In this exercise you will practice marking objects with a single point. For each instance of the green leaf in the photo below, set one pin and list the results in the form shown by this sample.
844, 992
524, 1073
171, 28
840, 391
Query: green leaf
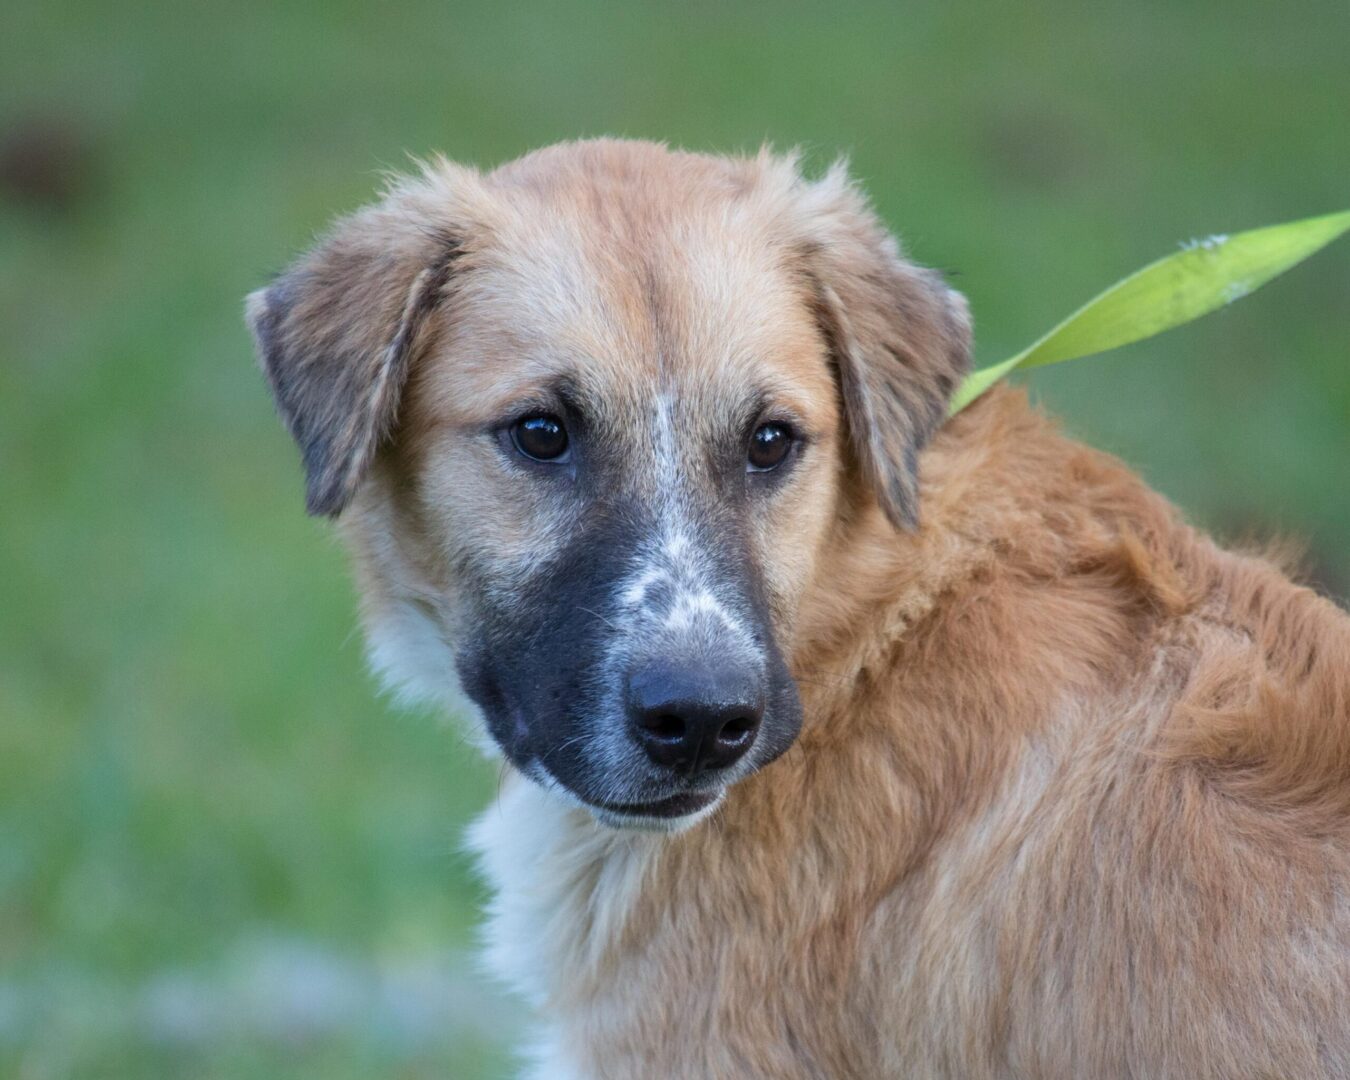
1203, 276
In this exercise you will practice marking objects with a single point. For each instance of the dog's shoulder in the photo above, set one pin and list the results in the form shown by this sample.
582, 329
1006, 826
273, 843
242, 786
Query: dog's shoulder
1267, 707
1265, 699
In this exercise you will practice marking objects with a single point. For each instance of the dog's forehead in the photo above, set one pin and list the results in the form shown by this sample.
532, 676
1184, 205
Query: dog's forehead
627, 296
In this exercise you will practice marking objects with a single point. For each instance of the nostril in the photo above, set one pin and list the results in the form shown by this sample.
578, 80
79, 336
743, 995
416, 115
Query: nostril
736, 730
665, 726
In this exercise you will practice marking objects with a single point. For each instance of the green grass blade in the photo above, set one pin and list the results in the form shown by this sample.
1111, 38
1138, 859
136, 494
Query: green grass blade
1203, 276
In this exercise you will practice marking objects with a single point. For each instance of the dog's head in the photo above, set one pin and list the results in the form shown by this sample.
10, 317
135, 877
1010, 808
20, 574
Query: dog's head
587, 420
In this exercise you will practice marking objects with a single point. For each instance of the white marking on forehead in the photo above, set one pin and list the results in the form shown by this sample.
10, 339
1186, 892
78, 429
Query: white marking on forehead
667, 451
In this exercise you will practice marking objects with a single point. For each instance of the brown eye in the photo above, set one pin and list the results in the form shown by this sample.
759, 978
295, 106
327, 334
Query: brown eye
769, 445
542, 438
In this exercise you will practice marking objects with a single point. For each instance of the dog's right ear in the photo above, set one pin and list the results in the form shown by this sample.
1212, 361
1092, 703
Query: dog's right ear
336, 332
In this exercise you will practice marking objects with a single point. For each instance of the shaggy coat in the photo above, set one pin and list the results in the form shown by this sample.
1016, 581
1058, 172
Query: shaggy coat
1071, 793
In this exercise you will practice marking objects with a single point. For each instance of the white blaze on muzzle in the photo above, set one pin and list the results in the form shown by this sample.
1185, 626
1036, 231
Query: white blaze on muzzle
673, 598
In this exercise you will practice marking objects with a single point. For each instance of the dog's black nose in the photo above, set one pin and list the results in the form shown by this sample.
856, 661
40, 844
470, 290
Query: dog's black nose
694, 718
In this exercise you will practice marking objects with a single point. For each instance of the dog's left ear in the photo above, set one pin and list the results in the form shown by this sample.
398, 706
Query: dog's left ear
901, 339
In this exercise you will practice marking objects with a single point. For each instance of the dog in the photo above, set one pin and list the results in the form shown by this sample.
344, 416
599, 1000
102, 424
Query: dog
842, 739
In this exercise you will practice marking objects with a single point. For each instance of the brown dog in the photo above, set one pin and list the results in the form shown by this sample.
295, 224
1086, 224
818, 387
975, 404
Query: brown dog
844, 743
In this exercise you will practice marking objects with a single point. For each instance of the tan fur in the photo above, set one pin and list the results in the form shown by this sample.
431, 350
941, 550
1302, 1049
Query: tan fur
1072, 795
1072, 803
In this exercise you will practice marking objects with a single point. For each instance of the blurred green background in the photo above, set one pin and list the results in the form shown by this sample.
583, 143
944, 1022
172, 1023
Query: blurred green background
221, 853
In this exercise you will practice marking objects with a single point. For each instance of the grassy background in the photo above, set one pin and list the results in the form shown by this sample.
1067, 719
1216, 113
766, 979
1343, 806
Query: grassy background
221, 855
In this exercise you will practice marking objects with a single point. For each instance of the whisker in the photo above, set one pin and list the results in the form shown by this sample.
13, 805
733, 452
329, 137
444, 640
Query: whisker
607, 621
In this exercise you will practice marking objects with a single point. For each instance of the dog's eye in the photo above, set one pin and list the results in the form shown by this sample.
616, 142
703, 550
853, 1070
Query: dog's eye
769, 445
542, 438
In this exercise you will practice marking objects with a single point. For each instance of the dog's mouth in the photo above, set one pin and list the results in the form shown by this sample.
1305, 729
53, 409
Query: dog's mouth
674, 806
672, 813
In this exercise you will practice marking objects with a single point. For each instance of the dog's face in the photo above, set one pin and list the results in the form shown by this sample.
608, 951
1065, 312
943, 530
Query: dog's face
590, 420
627, 451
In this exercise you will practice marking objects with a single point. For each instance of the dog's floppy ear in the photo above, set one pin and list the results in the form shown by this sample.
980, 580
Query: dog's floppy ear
335, 333
901, 339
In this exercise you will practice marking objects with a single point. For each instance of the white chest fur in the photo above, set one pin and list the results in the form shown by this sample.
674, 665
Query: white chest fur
563, 887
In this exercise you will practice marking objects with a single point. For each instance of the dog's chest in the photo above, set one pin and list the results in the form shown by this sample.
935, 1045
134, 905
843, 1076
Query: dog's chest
563, 888
591, 926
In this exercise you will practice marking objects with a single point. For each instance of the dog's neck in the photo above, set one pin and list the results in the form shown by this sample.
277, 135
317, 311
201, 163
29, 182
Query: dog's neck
892, 580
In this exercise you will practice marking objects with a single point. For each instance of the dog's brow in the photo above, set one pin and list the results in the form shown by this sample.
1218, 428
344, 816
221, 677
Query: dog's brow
766, 405
560, 393
750, 410
568, 393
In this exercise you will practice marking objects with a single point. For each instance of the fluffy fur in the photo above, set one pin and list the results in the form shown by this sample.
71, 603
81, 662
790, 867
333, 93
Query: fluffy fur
1071, 801
1072, 791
